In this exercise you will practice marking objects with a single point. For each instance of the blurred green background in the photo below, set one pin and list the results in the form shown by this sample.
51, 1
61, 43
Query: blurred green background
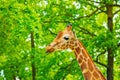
28, 26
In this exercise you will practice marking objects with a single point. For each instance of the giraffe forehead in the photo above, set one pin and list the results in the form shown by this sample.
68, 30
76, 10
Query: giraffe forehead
66, 34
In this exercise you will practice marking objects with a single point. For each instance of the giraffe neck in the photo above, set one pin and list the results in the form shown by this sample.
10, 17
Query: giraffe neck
89, 70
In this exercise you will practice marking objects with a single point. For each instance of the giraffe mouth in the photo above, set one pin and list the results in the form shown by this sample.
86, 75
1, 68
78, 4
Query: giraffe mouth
49, 50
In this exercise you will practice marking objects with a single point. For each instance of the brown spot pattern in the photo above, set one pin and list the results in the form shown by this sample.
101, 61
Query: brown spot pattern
84, 53
63, 47
72, 48
81, 57
83, 66
75, 54
71, 42
87, 75
75, 44
79, 60
78, 50
90, 65
93, 78
96, 75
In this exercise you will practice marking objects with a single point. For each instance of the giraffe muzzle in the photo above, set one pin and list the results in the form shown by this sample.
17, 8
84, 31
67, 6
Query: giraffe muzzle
49, 49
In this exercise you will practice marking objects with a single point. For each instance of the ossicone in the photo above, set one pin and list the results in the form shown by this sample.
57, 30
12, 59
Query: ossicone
70, 24
69, 27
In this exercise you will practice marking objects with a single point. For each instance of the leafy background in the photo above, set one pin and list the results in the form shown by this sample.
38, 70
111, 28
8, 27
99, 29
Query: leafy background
28, 26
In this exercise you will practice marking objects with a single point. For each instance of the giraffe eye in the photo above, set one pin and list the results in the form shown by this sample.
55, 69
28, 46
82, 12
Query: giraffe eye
66, 37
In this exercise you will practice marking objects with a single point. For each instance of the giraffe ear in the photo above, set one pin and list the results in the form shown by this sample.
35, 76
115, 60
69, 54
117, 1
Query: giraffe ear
59, 35
69, 27
74, 33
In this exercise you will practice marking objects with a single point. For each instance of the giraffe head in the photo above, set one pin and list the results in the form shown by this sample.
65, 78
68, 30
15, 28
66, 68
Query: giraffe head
64, 40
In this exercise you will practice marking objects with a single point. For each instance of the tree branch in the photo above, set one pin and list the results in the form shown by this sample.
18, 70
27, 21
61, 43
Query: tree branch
115, 5
116, 12
100, 63
66, 67
118, 45
58, 21
98, 2
52, 32
86, 31
90, 13
87, 15
97, 7
100, 54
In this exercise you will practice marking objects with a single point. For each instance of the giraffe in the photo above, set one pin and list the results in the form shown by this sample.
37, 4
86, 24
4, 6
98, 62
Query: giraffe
67, 39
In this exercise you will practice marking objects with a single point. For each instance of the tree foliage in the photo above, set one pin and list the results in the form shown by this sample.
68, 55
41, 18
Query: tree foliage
45, 18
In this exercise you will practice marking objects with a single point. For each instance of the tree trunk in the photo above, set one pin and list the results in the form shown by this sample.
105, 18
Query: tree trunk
32, 56
109, 49
14, 77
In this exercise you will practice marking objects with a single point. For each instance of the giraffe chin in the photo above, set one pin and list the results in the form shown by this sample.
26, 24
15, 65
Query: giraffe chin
49, 50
